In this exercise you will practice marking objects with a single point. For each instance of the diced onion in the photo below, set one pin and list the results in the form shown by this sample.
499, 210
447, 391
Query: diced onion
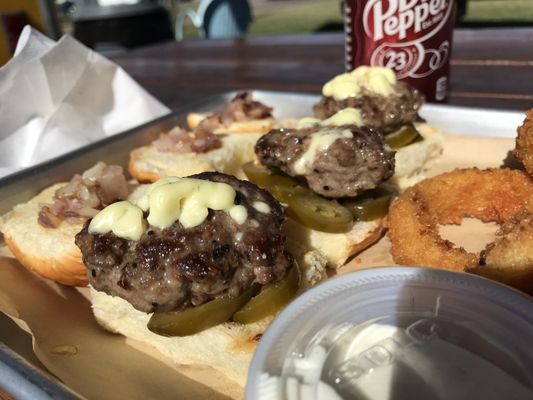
85, 195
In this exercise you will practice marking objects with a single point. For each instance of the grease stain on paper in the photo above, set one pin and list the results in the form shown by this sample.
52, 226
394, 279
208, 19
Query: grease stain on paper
64, 350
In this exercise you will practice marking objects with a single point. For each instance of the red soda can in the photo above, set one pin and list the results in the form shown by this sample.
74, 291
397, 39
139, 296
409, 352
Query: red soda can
413, 37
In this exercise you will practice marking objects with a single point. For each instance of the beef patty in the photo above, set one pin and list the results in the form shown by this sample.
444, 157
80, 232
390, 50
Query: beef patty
176, 268
383, 113
347, 167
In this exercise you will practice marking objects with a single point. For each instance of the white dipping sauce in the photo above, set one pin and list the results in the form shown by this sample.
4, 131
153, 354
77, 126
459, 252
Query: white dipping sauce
384, 362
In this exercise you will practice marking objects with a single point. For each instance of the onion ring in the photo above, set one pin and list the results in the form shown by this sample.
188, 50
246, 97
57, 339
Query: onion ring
524, 143
509, 259
491, 195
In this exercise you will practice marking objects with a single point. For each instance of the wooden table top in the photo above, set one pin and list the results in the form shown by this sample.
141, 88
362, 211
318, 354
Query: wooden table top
490, 68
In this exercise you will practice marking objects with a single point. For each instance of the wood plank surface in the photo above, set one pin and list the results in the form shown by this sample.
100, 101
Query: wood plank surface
489, 68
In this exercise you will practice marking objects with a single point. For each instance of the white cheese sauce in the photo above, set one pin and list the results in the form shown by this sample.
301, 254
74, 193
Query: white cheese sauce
379, 80
169, 200
320, 142
261, 206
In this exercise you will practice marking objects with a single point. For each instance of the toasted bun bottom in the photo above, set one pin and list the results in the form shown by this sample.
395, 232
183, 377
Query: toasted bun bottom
226, 347
335, 248
412, 161
147, 164
50, 252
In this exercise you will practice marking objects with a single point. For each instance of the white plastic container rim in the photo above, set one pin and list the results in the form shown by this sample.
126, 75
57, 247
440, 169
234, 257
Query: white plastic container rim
377, 292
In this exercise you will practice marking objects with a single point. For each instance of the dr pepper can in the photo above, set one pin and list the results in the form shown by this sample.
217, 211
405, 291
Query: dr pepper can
413, 37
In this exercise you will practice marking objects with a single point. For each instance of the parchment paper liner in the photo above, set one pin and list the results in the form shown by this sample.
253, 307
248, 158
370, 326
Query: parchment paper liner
97, 364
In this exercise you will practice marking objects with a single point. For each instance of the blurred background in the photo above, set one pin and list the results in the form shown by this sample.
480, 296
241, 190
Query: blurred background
112, 26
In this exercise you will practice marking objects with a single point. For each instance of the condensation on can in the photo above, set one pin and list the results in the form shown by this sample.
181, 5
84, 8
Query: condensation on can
413, 37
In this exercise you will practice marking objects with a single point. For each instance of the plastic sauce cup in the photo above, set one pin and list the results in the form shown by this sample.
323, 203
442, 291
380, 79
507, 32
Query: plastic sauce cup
399, 333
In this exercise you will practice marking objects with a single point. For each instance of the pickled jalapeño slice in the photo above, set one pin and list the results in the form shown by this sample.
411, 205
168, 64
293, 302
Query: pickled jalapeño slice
303, 204
196, 319
372, 204
271, 299
402, 137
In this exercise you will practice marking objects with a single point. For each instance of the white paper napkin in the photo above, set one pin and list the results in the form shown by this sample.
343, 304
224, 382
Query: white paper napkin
58, 96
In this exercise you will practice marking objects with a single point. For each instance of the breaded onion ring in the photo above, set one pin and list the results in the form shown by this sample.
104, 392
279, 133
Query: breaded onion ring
509, 259
524, 143
491, 195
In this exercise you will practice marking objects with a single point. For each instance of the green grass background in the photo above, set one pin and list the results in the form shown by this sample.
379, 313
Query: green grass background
306, 16
300, 16
500, 11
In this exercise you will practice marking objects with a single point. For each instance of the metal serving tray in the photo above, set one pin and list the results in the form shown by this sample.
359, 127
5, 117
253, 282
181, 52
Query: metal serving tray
25, 381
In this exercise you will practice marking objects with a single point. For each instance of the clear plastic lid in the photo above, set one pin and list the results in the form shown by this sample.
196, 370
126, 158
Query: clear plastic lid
398, 333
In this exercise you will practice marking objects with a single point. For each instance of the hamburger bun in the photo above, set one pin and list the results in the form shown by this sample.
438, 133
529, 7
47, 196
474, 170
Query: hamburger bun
227, 347
49, 252
414, 160
148, 164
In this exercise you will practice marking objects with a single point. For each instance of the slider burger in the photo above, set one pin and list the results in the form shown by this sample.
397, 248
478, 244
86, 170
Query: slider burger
372, 97
334, 172
383, 102
242, 115
196, 267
